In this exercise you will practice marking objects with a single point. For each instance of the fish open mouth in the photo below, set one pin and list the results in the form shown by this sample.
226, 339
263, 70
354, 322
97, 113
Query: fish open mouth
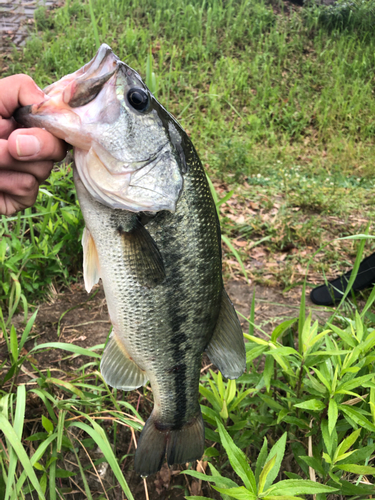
122, 149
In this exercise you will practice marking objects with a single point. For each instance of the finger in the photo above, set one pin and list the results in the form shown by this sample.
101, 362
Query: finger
36, 144
39, 169
18, 191
6, 127
16, 91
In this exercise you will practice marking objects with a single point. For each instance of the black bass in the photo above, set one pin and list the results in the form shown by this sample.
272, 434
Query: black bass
153, 236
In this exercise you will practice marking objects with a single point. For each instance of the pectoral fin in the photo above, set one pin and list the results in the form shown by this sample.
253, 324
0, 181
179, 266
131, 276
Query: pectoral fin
91, 266
142, 255
227, 348
118, 369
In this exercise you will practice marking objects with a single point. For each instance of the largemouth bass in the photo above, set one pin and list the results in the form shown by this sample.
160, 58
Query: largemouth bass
153, 236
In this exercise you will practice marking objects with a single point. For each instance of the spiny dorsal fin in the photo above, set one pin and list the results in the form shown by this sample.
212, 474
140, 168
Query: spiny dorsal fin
142, 255
118, 369
91, 273
227, 348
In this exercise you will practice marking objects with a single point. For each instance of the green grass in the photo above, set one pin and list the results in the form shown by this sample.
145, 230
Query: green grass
280, 106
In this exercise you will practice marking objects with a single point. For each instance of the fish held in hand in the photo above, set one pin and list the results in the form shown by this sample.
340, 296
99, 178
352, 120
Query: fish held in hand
153, 236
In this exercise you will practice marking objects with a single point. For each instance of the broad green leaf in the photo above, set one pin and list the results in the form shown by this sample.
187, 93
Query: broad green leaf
261, 460
268, 372
240, 493
255, 352
357, 469
300, 487
280, 329
349, 489
217, 479
314, 463
237, 459
332, 415
357, 417
16, 444
311, 404
360, 455
345, 336
266, 470
284, 351
326, 436
47, 424
256, 340
322, 379
277, 449
356, 382
231, 391
347, 443
358, 326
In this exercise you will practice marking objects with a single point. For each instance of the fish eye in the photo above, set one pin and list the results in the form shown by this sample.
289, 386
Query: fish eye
138, 99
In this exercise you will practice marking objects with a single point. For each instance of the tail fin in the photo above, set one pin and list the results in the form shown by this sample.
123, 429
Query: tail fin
180, 446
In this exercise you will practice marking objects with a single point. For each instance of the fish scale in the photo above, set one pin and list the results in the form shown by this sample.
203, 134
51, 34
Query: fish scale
153, 236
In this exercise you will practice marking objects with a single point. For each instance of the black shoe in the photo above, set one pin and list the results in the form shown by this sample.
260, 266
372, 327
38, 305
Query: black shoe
328, 295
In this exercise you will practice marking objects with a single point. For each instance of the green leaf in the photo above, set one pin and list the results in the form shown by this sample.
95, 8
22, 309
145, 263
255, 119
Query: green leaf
352, 384
68, 347
197, 498
261, 460
99, 436
333, 414
359, 455
13, 344
217, 479
326, 436
268, 372
349, 489
357, 417
356, 469
47, 424
348, 442
277, 449
311, 404
237, 459
266, 470
280, 329
300, 487
314, 463
16, 444
346, 337
241, 493
283, 497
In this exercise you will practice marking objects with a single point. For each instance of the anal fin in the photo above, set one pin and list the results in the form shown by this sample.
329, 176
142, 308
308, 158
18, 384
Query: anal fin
143, 256
91, 265
118, 369
227, 348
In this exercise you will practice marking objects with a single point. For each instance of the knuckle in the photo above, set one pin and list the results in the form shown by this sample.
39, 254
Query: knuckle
28, 183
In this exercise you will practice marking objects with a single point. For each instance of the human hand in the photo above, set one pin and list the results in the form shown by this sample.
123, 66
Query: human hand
26, 154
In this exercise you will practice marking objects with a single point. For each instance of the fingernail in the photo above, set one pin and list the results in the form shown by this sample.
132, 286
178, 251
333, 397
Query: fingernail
27, 145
